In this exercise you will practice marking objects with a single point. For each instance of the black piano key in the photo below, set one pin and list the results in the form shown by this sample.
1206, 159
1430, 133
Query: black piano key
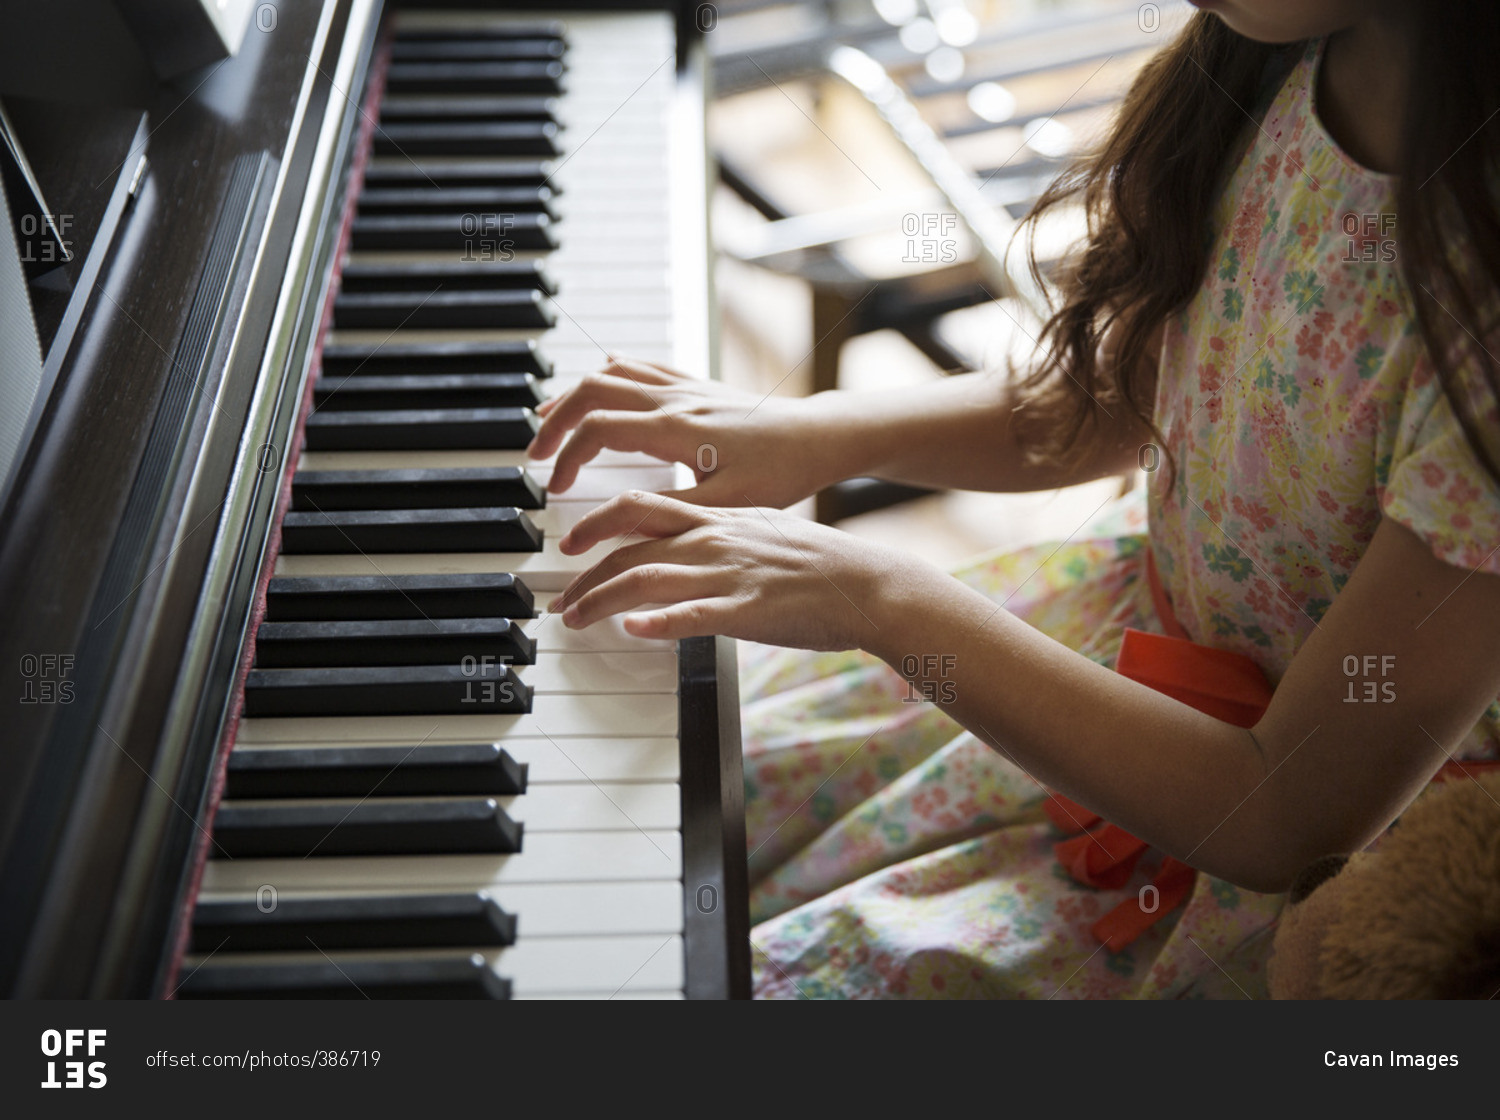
350, 359
467, 138
483, 768
526, 76
359, 275
490, 200
508, 309
354, 598
527, 29
421, 391
513, 171
399, 921
449, 976
369, 826
490, 50
418, 488
421, 429
391, 641
470, 233
435, 107
471, 688
495, 529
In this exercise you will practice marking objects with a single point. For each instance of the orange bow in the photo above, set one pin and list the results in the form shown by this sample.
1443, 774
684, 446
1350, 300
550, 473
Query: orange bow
1228, 686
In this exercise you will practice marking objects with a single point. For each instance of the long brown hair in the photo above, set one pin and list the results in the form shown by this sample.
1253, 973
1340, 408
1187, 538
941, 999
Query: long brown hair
1149, 190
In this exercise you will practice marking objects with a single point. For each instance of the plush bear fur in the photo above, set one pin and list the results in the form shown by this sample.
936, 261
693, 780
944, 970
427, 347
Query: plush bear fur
1415, 917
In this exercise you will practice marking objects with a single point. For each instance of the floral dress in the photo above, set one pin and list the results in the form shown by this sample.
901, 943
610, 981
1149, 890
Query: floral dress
892, 853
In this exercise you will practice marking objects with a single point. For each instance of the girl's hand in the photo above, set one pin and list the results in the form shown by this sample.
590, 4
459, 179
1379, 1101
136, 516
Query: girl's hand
744, 449
757, 574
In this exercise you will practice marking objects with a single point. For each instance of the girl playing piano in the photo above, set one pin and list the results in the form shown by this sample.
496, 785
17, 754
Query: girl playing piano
1092, 768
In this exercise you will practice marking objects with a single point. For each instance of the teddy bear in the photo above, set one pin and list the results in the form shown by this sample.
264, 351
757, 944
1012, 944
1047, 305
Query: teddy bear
1416, 916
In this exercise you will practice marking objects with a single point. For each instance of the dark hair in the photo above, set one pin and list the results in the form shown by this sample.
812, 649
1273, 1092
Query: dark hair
1149, 191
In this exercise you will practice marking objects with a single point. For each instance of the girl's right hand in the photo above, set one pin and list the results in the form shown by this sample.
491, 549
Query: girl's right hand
744, 450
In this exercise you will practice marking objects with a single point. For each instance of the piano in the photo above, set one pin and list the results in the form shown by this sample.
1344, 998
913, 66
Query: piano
287, 714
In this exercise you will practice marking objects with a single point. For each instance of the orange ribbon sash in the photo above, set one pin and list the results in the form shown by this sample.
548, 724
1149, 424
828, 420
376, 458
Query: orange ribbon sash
1228, 686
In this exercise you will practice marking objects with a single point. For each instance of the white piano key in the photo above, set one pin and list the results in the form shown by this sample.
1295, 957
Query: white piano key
556, 676
545, 857
605, 636
563, 964
596, 807
624, 714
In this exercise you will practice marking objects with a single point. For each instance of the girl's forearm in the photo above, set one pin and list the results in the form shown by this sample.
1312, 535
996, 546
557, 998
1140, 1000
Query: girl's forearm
1191, 785
958, 433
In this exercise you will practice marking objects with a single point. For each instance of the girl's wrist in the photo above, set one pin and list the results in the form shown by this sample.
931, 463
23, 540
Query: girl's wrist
841, 441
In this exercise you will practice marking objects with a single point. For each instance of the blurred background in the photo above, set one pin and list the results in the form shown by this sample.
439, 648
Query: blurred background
875, 157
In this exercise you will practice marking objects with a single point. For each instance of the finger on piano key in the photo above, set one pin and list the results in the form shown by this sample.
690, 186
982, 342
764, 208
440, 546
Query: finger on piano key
414, 920
472, 768
626, 715
611, 474
376, 975
605, 636
367, 826
441, 641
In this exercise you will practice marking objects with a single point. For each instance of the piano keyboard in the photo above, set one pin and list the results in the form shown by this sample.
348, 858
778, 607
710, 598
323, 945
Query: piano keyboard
494, 810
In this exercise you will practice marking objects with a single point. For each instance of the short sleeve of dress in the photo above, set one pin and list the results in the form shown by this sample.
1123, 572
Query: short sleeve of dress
1436, 485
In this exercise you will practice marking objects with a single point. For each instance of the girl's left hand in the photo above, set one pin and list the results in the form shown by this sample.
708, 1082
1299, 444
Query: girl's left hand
757, 574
